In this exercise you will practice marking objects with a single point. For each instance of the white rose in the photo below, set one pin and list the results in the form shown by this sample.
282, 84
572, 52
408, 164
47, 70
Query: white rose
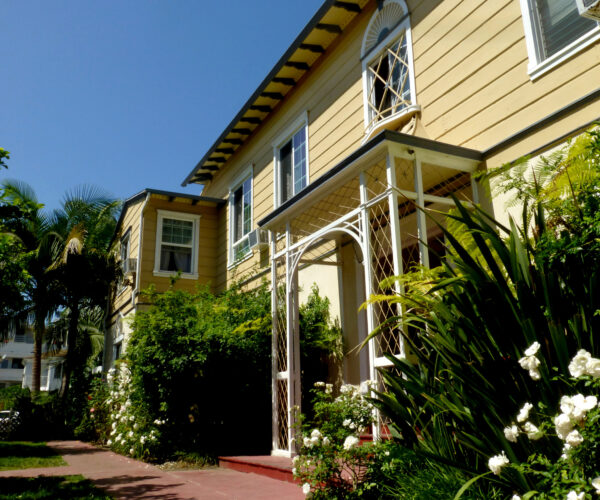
524, 412
532, 431
573, 495
346, 422
326, 441
574, 438
496, 463
315, 434
351, 442
596, 484
578, 365
511, 433
307, 442
563, 425
529, 363
592, 367
306, 488
109, 442
535, 374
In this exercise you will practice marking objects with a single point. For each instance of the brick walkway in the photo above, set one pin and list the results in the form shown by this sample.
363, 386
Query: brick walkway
127, 478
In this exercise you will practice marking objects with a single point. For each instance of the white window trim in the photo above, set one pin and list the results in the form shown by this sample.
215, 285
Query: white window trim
371, 55
280, 140
248, 172
167, 214
537, 68
127, 237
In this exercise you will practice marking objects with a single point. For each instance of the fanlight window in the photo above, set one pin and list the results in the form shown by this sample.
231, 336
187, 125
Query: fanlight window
387, 63
389, 84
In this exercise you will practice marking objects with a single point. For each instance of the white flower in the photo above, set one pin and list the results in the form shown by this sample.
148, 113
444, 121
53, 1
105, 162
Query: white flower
574, 439
306, 488
130, 434
294, 471
524, 413
593, 367
351, 442
315, 434
515, 497
295, 460
496, 463
535, 374
347, 389
352, 425
578, 365
328, 388
142, 439
532, 349
319, 384
307, 442
131, 450
131, 418
563, 425
326, 441
346, 422
114, 425
136, 426
596, 484
511, 433
118, 438
529, 363
573, 495
532, 431
109, 442
113, 432
314, 441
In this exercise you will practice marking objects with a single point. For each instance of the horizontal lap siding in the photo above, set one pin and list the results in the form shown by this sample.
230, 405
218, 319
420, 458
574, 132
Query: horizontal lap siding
207, 245
472, 80
131, 223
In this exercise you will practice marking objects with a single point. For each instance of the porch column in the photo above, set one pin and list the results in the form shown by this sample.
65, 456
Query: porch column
293, 343
421, 218
274, 372
368, 267
396, 238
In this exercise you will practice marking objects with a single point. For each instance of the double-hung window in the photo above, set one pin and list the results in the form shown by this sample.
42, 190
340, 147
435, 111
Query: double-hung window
554, 32
240, 210
176, 244
291, 161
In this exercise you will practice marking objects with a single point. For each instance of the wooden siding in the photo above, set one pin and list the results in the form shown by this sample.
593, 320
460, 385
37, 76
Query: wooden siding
470, 65
207, 244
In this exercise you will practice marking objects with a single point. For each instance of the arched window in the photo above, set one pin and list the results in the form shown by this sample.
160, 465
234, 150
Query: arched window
388, 77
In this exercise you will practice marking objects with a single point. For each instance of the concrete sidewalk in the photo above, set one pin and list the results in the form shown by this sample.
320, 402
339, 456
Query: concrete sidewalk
124, 477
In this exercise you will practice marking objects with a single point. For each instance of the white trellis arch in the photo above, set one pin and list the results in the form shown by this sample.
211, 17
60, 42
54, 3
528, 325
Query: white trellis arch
371, 201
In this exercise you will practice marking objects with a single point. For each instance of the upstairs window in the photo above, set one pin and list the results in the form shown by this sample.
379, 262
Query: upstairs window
554, 32
388, 80
240, 210
291, 161
176, 244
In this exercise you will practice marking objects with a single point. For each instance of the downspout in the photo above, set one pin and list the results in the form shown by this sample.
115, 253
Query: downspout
138, 265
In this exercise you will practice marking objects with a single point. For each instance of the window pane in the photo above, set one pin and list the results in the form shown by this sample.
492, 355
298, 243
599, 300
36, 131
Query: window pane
285, 170
560, 24
237, 213
299, 141
247, 204
177, 231
175, 259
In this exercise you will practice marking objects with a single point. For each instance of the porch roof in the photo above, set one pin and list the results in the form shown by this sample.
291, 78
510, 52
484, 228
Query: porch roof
399, 143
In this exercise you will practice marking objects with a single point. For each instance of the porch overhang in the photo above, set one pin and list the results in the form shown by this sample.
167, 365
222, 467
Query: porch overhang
398, 145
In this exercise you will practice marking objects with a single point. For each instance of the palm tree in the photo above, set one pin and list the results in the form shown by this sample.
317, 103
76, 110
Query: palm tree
86, 268
26, 221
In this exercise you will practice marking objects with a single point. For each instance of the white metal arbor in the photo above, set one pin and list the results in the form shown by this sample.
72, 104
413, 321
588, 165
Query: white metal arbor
369, 201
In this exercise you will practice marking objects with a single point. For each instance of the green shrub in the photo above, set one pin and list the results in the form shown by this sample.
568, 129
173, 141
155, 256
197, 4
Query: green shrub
8, 396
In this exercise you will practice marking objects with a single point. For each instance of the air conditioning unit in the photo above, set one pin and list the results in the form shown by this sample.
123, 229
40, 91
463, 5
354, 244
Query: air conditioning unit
129, 266
589, 8
258, 238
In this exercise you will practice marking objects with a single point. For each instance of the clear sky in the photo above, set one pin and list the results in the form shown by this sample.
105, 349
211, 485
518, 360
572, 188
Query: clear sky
129, 94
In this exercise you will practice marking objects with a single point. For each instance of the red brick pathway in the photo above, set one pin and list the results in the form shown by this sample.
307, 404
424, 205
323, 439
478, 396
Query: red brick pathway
130, 479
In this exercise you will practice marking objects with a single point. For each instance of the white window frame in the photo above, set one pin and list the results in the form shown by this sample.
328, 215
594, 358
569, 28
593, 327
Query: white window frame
368, 57
126, 238
167, 214
537, 67
247, 173
278, 143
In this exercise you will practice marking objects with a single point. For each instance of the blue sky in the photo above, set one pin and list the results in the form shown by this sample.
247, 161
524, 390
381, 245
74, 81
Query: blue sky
128, 94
